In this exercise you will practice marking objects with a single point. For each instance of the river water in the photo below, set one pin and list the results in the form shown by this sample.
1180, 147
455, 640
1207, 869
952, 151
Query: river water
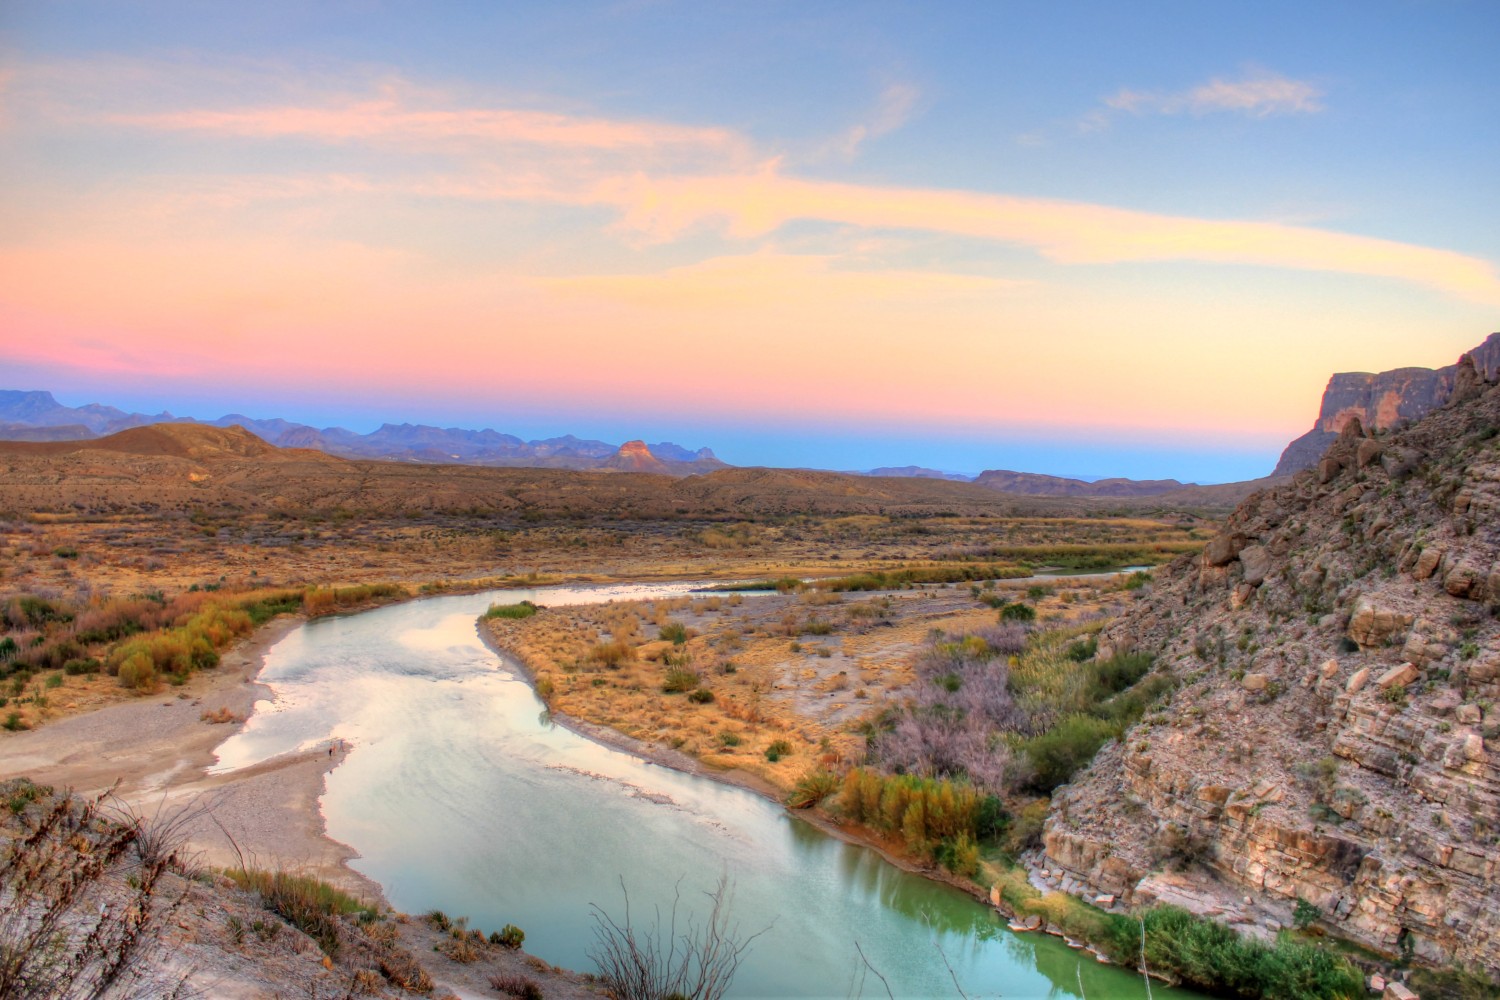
460, 795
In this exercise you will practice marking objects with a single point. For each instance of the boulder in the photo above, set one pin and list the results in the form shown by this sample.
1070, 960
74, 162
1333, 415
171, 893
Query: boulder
1371, 624
1257, 563
1256, 682
1398, 991
1465, 580
1223, 549
1398, 677
1360, 679
1468, 715
1329, 669
1427, 563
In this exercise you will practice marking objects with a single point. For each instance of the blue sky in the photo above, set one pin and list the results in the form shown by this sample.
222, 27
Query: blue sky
1088, 238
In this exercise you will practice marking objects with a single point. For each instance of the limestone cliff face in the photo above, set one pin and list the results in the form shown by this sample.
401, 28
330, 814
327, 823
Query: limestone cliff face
1335, 733
1380, 402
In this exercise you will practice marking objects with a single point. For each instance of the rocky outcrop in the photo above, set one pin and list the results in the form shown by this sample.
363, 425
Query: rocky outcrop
634, 456
1334, 735
1381, 402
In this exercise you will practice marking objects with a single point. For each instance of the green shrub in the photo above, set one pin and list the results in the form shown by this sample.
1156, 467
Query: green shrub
511, 936
311, 905
1305, 914
729, 739
13, 722
1018, 613
701, 696
523, 610
777, 750
1060, 752
674, 632
812, 788
679, 679
1209, 955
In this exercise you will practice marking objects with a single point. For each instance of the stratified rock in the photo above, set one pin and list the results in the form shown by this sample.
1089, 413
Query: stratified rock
1398, 677
1374, 625
1381, 402
1377, 801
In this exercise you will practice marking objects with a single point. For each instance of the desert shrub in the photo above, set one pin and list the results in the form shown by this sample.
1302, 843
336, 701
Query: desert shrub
959, 855
517, 986
1305, 914
700, 696
28, 609
82, 666
730, 739
777, 750
674, 632
1209, 955
679, 679
1456, 982
1060, 752
812, 788
1120, 671
612, 653
309, 904
510, 936
523, 610
924, 811
1018, 613
816, 626
895, 579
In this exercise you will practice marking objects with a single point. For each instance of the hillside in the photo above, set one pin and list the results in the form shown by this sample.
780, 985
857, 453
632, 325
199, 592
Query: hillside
1333, 737
1035, 484
189, 466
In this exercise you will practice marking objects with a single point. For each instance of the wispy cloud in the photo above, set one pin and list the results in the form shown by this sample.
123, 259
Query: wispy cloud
390, 119
1066, 232
897, 103
1256, 95
665, 180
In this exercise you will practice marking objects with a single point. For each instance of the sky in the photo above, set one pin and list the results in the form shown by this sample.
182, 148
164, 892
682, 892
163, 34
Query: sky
1080, 239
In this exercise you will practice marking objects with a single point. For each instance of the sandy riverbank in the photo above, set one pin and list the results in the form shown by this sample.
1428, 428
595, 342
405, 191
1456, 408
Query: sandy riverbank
157, 750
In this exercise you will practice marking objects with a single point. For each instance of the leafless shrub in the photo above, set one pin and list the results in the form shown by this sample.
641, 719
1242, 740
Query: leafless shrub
963, 702
698, 963
81, 899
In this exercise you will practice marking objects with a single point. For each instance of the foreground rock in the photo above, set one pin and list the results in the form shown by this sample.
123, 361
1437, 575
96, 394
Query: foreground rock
1333, 738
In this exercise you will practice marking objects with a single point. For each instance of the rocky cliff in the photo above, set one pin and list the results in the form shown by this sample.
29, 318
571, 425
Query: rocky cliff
1335, 731
1380, 402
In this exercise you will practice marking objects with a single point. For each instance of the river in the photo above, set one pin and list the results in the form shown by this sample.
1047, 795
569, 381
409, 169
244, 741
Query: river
459, 794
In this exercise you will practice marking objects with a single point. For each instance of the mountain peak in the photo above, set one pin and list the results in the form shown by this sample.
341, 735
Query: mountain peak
634, 456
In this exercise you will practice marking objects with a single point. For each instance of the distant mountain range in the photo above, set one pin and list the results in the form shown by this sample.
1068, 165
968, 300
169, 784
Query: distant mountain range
37, 416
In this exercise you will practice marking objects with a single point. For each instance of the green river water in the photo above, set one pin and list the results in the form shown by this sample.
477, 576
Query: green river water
460, 795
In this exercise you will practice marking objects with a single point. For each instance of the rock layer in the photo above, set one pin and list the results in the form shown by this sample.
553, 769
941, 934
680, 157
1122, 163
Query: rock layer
1335, 732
